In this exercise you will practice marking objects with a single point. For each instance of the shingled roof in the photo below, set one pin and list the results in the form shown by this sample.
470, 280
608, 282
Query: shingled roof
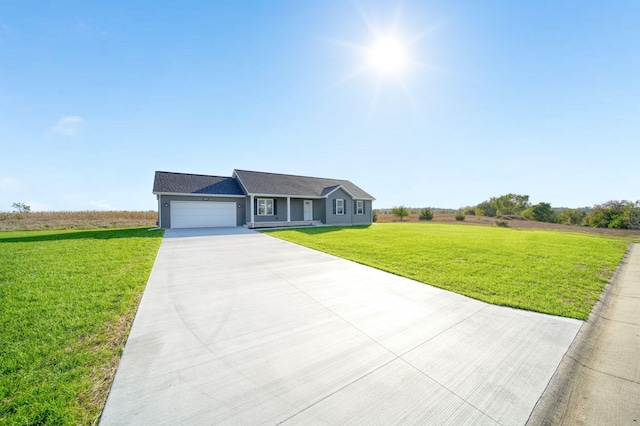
183, 183
261, 183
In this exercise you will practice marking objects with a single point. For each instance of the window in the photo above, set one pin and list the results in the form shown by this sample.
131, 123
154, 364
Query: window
360, 207
339, 206
265, 207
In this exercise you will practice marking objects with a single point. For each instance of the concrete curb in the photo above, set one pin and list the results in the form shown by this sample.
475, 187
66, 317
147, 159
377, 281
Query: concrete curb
585, 389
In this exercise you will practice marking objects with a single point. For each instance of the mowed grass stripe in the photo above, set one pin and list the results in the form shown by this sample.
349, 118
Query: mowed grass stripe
558, 273
67, 299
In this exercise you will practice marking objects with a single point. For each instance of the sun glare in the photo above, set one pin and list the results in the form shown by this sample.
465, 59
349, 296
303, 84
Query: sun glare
388, 55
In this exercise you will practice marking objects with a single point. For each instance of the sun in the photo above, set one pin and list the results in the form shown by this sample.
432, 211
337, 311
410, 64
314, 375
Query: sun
388, 55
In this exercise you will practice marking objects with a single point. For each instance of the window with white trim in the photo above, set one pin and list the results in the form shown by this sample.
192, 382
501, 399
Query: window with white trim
360, 207
339, 206
265, 206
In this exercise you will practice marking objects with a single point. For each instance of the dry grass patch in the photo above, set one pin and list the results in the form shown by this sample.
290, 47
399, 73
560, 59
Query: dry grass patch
76, 220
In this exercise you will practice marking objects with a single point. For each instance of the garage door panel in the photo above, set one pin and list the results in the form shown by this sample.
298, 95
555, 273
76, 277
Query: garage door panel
202, 214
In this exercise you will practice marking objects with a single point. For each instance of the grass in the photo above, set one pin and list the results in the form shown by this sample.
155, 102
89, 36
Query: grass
558, 273
76, 220
67, 299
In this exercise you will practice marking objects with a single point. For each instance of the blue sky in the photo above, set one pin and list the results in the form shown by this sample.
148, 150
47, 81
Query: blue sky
539, 98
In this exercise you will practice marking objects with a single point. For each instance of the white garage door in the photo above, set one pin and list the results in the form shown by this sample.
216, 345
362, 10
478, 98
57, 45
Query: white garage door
202, 214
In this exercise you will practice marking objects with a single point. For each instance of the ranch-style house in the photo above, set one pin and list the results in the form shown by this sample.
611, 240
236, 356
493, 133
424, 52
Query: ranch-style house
258, 200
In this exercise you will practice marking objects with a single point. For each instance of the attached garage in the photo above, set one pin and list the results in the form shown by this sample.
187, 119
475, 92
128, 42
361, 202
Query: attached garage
203, 214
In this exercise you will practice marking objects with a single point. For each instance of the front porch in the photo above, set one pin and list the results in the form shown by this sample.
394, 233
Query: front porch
283, 224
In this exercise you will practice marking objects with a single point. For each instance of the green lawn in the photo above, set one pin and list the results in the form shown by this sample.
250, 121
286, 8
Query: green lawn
558, 273
67, 299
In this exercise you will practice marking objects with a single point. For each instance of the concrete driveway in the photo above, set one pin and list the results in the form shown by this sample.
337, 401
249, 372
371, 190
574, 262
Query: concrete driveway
236, 327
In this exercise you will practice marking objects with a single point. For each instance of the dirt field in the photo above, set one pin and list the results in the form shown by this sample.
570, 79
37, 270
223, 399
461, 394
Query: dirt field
76, 220
512, 221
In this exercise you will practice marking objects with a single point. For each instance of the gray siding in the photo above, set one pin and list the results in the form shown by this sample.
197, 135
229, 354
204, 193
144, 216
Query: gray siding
280, 211
349, 217
320, 210
165, 210
297, 209
336, 219
367, 217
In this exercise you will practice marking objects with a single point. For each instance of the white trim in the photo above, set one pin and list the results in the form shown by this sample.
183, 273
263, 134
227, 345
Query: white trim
359, 201
343, 207
288, 209
344, 189
159, 197
307, 197
252, 210
181, 194
299, 197
266, 206
235, 176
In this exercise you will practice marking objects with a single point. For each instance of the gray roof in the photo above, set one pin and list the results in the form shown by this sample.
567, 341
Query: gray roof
183, 183
304, 186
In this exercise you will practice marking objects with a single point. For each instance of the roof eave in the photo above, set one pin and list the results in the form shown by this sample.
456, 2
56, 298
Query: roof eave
198, 194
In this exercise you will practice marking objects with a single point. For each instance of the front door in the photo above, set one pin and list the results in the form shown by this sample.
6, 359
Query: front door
308, 210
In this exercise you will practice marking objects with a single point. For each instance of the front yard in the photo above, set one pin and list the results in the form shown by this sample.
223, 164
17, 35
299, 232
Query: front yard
558, 273
67, 299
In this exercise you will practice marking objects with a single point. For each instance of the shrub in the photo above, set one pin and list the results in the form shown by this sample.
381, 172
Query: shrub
470, 211
502, 223
460, 217
426, 214
400, 211
375, 217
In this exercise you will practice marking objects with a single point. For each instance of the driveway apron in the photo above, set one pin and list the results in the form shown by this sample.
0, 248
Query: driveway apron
236, 327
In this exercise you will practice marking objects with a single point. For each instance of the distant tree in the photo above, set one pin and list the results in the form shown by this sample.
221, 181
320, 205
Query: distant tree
487, 209
571, 217
426, 214
633, 215
541, 212
608, 215
479, 212
21, 208
470, 211
400, 211
513, 204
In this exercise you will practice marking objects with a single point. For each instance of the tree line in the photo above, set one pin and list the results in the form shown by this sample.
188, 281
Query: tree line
614, 214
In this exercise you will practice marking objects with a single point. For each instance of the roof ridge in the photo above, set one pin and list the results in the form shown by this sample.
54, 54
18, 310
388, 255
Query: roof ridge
194, 174
286, 174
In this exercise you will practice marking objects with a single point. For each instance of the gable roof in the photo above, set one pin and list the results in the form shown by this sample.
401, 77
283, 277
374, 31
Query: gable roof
261, 183
183, 183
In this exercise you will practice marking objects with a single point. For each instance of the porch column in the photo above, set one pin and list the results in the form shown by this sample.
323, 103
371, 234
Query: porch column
288, 209
252, 212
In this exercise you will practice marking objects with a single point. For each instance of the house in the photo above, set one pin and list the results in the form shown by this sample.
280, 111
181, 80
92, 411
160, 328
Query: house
258, 199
